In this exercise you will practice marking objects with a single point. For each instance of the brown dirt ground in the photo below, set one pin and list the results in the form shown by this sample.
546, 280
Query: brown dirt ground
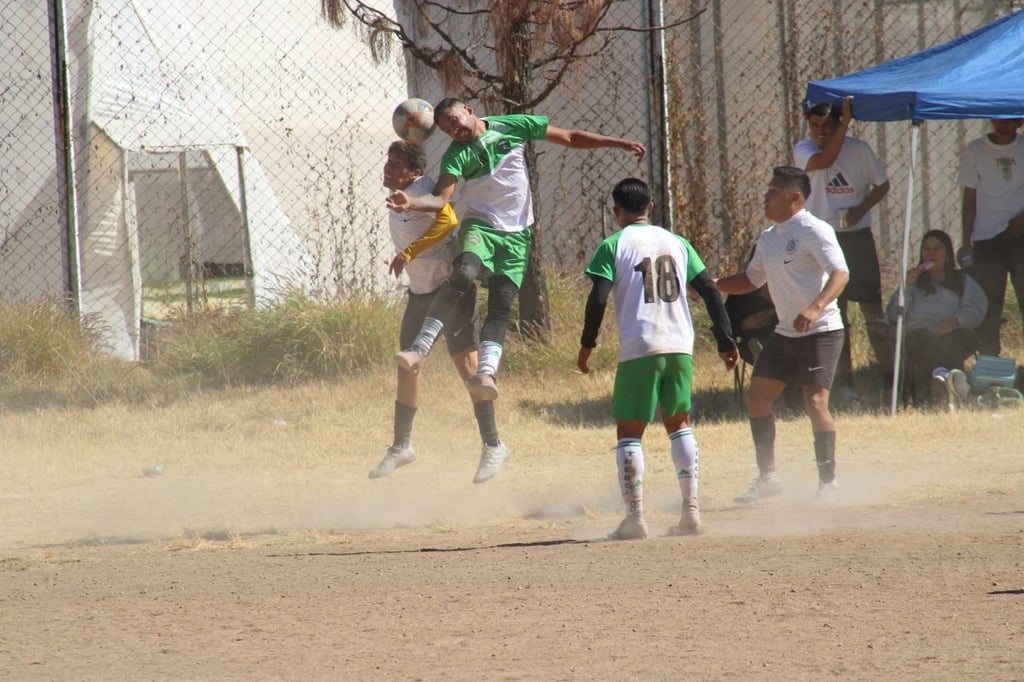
918, 572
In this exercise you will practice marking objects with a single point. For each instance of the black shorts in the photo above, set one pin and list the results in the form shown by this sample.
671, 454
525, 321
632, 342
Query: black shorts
801, 361
865, 283
462, 332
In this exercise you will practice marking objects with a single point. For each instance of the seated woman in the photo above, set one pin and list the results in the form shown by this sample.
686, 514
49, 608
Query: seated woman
942, 307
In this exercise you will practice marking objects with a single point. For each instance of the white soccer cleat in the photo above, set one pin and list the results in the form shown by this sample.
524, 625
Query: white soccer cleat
633, 527
482, 386
828, 493
689, 522
410, 360
491, 459
395, 457
766, 485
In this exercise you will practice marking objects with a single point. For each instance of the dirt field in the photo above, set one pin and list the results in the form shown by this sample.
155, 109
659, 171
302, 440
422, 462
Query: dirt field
263, 552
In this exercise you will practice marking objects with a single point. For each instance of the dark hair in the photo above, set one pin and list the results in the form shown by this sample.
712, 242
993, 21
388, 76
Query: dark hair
953, 279
632, 195
411, 153
824, 109
791, 177
446, 104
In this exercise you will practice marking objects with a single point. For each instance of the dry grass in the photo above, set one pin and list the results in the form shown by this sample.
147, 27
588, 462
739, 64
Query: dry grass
260, 458
256, 462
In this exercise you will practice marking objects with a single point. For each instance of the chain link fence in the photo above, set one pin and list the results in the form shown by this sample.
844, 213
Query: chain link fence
738, 76
160, 158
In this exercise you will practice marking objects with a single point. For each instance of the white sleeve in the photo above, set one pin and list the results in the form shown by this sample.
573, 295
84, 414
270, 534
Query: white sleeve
830, 256
755, 269
878, 175
973, 304
968, 174
802, 153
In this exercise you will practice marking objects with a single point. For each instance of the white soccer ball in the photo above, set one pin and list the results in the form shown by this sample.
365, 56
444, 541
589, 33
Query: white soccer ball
413, 120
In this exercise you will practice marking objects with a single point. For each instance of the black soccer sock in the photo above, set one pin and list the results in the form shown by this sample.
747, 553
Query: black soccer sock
404, 414
825, 455
484, 411
501, 296
763, 431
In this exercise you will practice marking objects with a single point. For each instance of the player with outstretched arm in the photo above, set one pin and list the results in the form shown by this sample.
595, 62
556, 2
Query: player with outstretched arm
487, 158
424, 244
800, 259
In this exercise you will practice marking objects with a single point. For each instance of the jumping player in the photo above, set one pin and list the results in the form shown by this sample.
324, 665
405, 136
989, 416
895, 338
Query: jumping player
425, 243
487, 156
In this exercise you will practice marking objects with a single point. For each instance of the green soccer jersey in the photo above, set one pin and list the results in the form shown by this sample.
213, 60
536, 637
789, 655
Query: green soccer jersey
494, 188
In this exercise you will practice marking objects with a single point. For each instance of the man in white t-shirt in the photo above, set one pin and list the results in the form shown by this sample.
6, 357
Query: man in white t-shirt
847, 181
424, 243
800, 260
649, 268
992, 220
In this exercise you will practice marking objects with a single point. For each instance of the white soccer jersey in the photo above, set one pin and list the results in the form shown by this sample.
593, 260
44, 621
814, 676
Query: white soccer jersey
996, 172
649, 268
429, 269
795, 259
845, 183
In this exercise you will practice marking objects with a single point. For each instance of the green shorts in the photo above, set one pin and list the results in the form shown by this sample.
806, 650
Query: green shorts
644, 384
502, 253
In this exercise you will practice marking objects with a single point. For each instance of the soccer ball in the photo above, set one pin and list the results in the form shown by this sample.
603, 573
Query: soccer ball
413, 120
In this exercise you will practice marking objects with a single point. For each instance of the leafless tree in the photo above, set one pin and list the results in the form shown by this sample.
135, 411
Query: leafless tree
529, 48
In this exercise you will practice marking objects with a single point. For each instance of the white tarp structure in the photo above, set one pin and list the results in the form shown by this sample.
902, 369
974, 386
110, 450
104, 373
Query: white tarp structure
32, 252
143, 105
150, 91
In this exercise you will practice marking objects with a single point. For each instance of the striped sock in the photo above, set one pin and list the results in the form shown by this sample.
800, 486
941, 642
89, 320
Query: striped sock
490, 358
629, 457
429, 332
686, 458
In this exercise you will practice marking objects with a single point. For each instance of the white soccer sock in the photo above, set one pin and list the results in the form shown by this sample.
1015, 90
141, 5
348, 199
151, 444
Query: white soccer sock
490, 358
686, 459
429, 332
629, 457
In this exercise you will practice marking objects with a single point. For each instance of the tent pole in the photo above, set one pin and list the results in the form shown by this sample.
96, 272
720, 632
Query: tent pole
243, 209
129, 218
900, 290
64, 138
188, 257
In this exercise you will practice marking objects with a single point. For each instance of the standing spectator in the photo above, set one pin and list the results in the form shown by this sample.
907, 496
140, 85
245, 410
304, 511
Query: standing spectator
847, 181
649, 268
942, 307
801, 261
487, 155
992, 221
424, 242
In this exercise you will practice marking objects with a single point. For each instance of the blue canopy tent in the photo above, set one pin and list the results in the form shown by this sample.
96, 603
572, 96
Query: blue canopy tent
978, 75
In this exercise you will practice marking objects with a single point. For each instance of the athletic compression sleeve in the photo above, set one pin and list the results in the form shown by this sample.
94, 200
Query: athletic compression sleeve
720, 325
444, 223
594, 313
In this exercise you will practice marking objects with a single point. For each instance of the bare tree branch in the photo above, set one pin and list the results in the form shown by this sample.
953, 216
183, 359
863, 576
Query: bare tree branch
452, 10
653, 29
534, 43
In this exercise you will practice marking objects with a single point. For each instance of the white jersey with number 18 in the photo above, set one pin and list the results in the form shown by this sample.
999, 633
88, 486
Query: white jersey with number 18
649, 268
